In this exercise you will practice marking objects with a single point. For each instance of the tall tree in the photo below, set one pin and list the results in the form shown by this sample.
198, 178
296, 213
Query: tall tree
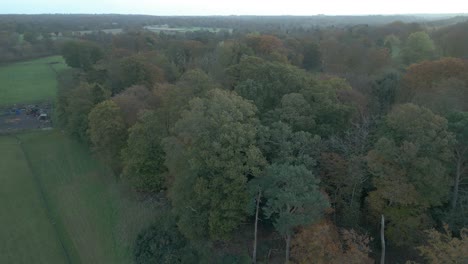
409, 165
107, 132
293, 199
418, 47
458, 125
210, 158
82, 54
440, 85
77, 105
143, 158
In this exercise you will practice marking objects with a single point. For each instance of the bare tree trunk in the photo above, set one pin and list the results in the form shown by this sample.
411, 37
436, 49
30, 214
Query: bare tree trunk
457, 183
288, 245
382, 239
254, 254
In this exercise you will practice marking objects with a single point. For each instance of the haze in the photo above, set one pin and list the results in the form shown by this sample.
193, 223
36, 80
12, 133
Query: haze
239, 7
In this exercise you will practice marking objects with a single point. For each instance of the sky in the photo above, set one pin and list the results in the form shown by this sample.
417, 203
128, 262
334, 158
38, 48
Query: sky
235, 7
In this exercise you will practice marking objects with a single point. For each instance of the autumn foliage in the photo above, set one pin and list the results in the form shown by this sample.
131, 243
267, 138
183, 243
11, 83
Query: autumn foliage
324, 243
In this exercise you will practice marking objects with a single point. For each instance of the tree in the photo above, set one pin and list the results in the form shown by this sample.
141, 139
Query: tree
343, 180
293, 199
440, 85
77, 105
280, 144
418, 47
107, 132
143, 158
81, 54
409, 168
133, 70
163, 243
322, 243
384, 91
265, 83
210, 157
329, 107
133, 101
458, 125
393, 43
442, 247
174, 99
453, 40
312, 57
343, 173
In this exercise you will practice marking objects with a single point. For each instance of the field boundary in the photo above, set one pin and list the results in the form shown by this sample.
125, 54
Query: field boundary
43, 198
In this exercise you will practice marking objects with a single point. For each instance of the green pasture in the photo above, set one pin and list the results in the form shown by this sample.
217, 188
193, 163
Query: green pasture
27, 232
91, 215
30, 81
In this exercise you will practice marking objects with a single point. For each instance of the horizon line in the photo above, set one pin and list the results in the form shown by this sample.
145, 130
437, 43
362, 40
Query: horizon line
241, 15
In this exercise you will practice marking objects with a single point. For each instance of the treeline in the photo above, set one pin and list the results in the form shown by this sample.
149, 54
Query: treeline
30, 36
298, 141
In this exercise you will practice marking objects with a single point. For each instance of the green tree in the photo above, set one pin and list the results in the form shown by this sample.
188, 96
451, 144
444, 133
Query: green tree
409, 168
331, 110
293, 198
280, 144
312, 57
265, 83
77, 105
210, 159
384, 91
107, 132
133, 70
418, 47
458, 125
174, 99
143, 158
163, 243
81, 54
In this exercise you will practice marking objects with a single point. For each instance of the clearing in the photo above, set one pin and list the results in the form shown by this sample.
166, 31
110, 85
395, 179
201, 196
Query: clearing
30, 81
60, 205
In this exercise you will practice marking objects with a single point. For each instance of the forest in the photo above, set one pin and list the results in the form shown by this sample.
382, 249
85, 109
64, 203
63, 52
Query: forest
281, 140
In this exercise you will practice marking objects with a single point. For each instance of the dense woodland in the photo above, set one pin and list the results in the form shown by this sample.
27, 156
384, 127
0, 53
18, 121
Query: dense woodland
284, 139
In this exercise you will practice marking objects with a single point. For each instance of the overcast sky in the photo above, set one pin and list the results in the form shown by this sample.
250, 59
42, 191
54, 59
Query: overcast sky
235, 7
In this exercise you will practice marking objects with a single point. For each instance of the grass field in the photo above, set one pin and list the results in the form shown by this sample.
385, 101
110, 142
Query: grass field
30, 81
94, 218
27, 234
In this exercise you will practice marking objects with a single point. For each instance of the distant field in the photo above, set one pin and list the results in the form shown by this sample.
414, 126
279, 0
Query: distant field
167, 29
113, 31
30, 81
96, 220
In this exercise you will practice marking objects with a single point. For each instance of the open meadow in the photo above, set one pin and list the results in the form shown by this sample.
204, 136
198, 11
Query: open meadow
27, 230
30, 81
62, 206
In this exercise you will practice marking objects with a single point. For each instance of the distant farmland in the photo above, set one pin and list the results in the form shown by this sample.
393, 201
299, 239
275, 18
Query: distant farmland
30, 81
168, 29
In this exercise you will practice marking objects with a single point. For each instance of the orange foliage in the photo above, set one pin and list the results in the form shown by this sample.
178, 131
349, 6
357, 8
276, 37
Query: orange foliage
265, 44
421, 77
322, 243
